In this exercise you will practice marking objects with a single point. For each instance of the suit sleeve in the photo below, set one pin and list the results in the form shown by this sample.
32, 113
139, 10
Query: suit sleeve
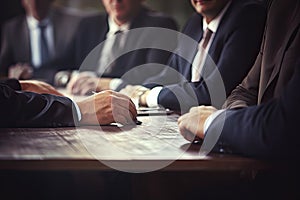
239, 51
12, 83
246, 93
270, 130
26, 109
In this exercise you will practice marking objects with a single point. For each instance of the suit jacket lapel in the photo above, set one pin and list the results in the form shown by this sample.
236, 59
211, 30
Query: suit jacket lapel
102, 30
294, 22
212, 57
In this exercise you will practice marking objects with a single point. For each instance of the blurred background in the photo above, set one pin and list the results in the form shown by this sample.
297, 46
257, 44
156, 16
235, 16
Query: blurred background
180, 10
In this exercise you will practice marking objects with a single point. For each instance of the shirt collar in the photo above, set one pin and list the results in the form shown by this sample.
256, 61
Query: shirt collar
214, 24
113, 27
34, 23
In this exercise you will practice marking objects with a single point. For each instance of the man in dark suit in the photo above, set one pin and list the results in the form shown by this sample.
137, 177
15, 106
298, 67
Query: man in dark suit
236, 29
35, 45
261, 119
37, 104
9, 10
122, 17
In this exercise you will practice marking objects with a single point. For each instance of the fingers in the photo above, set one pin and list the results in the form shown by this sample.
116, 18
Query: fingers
202, 108
132, 90
87, 87
194, 121
76, 81
185, 132
83, 85
189, 125
15, 71
114, 107
71, 83
122, 115
80, 86
20, 71
128, 91
77, 85
27, 72
124, 107
126, 102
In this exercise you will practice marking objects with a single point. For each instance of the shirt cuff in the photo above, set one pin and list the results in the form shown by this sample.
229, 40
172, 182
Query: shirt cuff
152, 98
115, 83
77, 110
211, 118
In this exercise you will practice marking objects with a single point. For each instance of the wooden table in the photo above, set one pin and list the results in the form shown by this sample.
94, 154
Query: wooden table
155, 146
156, 142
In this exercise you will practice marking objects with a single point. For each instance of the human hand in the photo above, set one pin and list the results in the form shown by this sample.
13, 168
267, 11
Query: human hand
107, 107
38, 87
137, 93
20, 71
86, 82
74, 85
191, 125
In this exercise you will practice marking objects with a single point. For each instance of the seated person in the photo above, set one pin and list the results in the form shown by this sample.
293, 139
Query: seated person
35, 45
228, 35
20, 107
261, 116
122, 17
8, 10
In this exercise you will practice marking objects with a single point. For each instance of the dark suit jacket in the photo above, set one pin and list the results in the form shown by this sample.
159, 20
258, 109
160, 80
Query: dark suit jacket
93, 32
233, 50
266, 79
27, 109
270, 129
16, 44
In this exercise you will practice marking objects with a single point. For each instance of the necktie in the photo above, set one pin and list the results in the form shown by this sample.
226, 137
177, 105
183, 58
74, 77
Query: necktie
200, 56
207, 36
43, 44
111, 51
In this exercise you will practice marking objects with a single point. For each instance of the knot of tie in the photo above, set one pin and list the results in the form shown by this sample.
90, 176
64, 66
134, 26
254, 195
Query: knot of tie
118, 31
42, 26
206, 37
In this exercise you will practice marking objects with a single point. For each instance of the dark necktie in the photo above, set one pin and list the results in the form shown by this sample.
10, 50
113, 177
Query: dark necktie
201, 56
43, 44
207, 36
116, 47
108, 58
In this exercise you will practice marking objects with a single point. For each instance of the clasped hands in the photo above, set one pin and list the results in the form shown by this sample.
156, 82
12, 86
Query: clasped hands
137, 93
20, 71
85, 83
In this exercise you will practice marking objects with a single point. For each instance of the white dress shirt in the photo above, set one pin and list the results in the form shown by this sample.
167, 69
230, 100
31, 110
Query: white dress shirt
103, 61
152, 98
35, 38
113, 28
